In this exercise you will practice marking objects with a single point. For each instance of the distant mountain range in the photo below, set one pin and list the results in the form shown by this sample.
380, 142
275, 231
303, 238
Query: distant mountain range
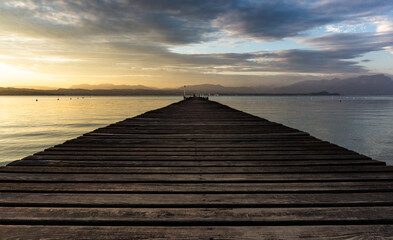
108, 86
362, 85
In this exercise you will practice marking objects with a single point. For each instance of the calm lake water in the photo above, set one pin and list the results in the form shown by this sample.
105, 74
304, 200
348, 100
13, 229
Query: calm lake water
362, 124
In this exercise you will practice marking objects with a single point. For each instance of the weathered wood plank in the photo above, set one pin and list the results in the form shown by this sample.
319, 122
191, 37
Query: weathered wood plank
192, 177
191, 140
206, 216
198, 169
284, 135
194, 131
200, 145
195, 200
127, 148
272, 157
195, 152
180, 163
234, 188
198, 232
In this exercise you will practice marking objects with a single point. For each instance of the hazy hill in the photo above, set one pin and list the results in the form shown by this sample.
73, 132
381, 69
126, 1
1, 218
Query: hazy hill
212, 89
362, 85
108, 86
24, 91
86, 92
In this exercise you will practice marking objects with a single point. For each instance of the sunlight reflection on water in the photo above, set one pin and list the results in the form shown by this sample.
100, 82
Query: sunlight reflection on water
28, 126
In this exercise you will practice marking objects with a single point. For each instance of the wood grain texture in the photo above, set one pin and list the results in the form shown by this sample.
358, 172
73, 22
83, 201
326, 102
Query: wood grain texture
196, 169
382, 231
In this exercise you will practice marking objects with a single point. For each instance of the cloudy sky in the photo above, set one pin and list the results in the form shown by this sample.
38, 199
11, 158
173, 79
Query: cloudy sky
167, 43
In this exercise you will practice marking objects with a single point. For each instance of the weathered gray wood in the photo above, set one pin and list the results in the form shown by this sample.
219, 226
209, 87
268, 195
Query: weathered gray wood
217, 163
287, 187
261, 157
195, 200
381, 231
194, 177
196, 152
198, 169
197, 233
240, 132
181, 141
172, 216
200, 136
126, 148
201, 145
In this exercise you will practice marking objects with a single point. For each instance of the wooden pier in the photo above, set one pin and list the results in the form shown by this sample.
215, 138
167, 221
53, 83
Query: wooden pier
196, 169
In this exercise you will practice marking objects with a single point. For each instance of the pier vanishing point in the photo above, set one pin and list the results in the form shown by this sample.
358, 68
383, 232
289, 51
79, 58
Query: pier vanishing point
196, 169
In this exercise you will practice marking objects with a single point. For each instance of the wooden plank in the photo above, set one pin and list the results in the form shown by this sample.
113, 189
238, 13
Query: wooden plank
195, 152
192, 147
266, 157
127, 148
205, 216
180, 163
191, 177
218, 127
199, 145
198, 169
234, 188
194, 131
196, 200
381, 231
198, 127
300, 135
191, 140
186, 123
203, 145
